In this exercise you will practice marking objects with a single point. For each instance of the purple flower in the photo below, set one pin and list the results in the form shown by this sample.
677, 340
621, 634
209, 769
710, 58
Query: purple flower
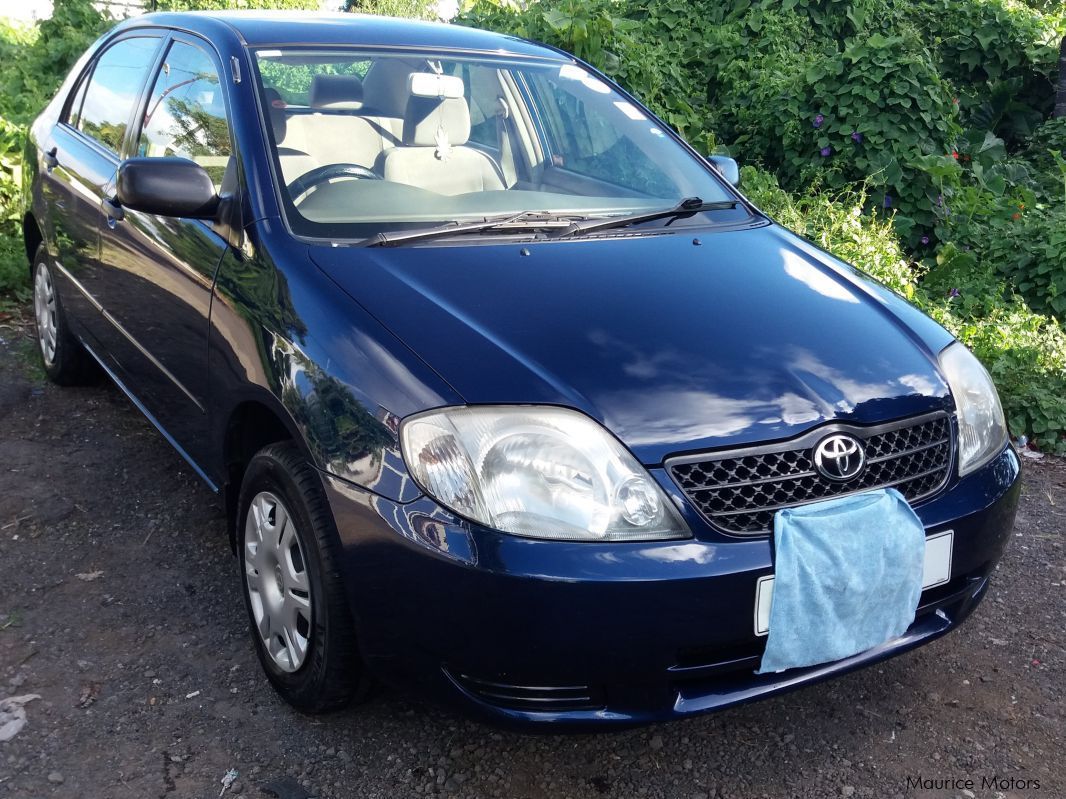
940, 200
826, 152
887, 201
925, 239
818, 120
953, 294
856, 137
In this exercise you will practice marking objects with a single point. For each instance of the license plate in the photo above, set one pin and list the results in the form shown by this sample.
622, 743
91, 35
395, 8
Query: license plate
937, 571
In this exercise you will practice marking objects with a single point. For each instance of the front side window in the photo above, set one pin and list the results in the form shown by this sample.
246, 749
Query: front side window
113, 89
186, 112
592, 143
366, 142
78, 98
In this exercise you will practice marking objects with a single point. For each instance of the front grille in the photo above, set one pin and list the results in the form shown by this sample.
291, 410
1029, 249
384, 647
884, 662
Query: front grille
739, 491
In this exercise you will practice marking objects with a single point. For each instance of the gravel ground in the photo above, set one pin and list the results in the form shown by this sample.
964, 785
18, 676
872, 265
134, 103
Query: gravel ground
119, 606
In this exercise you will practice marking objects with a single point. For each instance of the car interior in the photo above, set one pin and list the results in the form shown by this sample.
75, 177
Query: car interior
389, 137
378, 123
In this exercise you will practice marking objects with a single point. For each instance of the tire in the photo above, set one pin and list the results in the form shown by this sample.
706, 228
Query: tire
307, 648
64, 359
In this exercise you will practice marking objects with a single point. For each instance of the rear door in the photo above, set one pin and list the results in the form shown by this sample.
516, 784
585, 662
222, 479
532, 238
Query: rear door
160, 270
81, 157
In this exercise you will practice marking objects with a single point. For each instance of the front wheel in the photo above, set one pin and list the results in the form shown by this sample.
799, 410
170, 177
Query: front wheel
293, 589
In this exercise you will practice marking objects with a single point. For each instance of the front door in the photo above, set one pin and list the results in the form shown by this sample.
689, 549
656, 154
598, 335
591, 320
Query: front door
161, 269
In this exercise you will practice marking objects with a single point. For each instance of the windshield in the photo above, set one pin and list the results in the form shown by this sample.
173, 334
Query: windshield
372, 142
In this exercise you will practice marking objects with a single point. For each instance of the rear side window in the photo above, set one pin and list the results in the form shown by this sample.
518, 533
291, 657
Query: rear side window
186, 112
293, 80
113, 89
483, 95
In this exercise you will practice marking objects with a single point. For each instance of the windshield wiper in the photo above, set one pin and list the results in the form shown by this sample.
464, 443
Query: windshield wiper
687, 207
526, 220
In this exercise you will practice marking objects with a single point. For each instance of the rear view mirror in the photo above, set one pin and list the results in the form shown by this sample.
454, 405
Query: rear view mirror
726, 167
430, 84
167, 187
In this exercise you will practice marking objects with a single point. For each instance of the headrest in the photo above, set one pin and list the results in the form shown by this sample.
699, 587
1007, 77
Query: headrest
385, 86
336, 93
276, 114
427, 115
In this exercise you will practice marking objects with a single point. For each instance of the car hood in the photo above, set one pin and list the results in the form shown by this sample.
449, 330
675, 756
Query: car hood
674, 343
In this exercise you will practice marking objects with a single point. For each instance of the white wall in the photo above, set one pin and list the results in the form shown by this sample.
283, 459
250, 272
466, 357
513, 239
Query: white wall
26, 10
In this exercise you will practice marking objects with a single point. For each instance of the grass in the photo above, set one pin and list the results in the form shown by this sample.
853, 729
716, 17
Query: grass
28, 352
14, 275
15, 313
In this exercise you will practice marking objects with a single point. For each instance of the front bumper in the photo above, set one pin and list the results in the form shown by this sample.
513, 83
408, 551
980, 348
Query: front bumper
584, 634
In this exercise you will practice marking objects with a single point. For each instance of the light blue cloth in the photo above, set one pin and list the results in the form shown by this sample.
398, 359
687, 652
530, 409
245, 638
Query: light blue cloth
847, 577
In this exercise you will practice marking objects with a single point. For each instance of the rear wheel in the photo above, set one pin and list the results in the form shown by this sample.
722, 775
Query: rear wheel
64, 359
293, 590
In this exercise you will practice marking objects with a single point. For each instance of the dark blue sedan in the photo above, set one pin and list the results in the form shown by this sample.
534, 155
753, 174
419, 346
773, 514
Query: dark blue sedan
502, 384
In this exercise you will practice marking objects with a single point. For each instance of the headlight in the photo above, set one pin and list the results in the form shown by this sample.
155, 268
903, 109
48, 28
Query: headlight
982, 429
540, 472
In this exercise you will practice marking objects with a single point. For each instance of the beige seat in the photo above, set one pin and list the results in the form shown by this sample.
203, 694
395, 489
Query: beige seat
351, 121
434, 154
385, 97
334, 132
293, 162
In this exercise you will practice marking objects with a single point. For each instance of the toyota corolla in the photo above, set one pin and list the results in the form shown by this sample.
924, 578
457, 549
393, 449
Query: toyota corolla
511, 395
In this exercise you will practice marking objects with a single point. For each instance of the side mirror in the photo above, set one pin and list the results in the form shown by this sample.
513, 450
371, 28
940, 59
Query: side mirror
726, 167
167, 187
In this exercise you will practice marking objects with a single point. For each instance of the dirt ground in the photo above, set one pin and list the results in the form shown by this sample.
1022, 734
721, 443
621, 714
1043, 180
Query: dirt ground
120, 608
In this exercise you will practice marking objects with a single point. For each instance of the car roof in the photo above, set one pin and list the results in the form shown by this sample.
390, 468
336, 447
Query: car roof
280, 28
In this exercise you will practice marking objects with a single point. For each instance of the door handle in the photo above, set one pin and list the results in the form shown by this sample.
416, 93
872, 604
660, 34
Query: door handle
51, 158
112, 209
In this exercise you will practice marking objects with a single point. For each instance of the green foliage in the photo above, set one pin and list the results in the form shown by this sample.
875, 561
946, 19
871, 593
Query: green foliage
14, 271
1044, 155
1001, 57
10, 149
223, 5
870, 109
835, 221
36, 60
1009, 211
1031, 252
412, 9
1024, 351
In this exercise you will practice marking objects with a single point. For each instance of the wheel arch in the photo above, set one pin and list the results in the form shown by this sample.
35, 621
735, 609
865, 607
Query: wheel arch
251, 425
32, 238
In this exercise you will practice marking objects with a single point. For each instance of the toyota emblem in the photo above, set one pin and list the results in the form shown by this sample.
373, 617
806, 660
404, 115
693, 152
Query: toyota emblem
839, 457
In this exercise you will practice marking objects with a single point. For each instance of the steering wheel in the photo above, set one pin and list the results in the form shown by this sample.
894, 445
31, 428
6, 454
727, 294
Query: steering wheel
322, 174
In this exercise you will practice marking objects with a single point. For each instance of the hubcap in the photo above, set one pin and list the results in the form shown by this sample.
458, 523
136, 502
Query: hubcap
275, 574
44, 309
